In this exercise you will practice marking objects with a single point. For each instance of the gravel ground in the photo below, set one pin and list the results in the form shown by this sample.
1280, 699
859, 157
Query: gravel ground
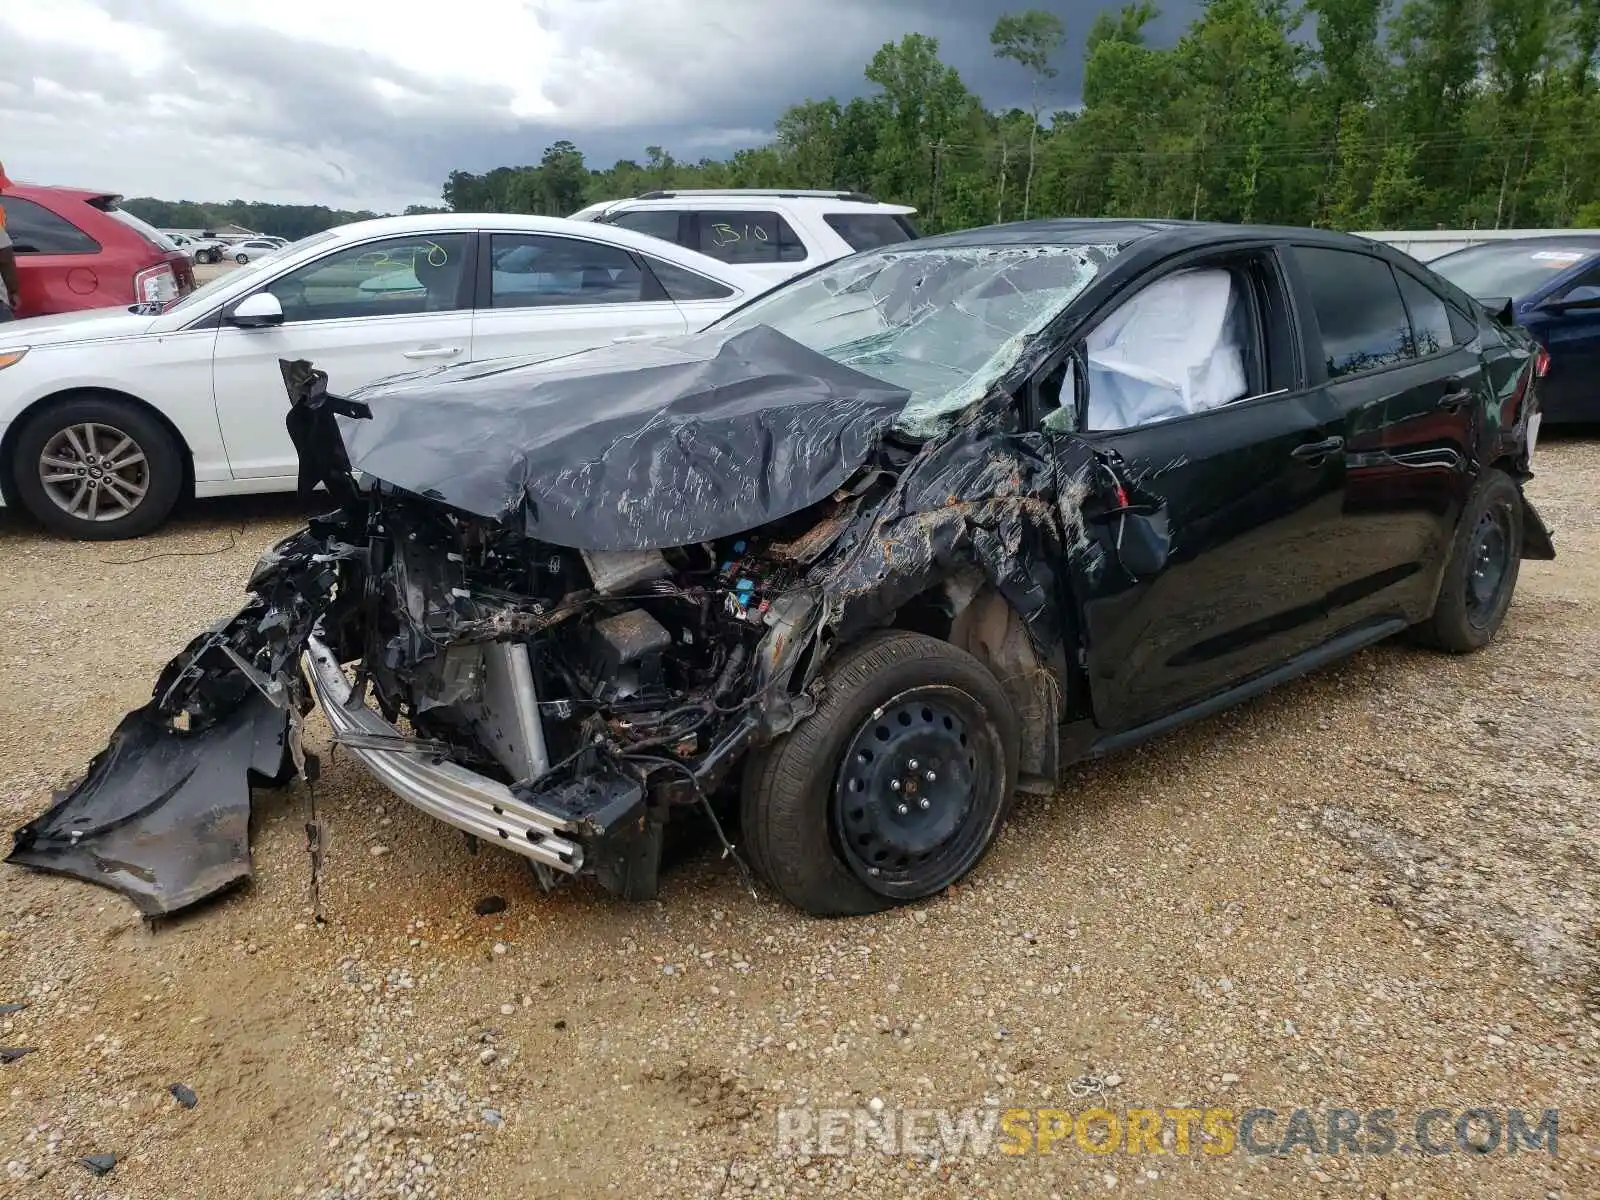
206, 272
1375, 887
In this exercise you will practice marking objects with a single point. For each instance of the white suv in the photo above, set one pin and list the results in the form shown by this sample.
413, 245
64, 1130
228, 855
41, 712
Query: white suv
775, 233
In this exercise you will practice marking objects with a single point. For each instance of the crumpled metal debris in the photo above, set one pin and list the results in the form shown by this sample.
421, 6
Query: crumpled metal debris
163, 813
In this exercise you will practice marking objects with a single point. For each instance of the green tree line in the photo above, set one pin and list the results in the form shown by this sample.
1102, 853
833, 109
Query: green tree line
290, 221
1340, 113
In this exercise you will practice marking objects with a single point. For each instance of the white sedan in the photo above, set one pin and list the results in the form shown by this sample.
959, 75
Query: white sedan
107, 417
253, 249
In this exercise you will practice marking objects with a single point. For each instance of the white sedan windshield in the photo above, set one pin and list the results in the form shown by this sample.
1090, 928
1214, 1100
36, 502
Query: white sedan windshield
946, 324
203, 294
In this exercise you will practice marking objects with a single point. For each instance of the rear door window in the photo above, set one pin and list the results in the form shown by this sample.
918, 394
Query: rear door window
656, 222
34, 229
1430, 317
682, 284
537, 270
1358, 308
868, 231
747, 237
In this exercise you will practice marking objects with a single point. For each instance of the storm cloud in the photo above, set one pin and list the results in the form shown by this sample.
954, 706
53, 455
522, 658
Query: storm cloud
367, 103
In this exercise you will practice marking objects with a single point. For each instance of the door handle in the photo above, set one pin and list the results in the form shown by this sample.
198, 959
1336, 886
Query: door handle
431, 352
1312, 453
634, 337
1451, 401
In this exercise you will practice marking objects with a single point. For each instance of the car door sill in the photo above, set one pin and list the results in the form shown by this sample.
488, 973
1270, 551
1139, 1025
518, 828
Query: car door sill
1335, 648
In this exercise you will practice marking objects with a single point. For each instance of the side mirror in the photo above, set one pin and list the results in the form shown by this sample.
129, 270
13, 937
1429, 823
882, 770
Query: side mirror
257, 311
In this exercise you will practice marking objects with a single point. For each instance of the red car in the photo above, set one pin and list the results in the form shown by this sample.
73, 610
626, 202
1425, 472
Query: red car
77, 249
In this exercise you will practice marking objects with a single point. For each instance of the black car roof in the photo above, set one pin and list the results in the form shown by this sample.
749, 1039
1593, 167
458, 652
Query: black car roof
1117, 231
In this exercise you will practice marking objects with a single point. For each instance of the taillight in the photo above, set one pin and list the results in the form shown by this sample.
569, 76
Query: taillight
155, 285
1541, 363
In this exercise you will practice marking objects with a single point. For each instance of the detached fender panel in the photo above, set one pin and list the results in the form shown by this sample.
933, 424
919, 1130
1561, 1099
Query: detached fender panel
163, 815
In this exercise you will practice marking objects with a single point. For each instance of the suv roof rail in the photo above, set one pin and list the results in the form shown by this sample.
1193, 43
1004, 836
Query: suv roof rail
781, 193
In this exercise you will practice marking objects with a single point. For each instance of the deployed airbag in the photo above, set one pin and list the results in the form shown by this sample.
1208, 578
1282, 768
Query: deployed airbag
631, 446
1169, 351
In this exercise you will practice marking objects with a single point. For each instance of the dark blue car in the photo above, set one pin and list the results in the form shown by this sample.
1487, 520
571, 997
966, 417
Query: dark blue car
1553, 284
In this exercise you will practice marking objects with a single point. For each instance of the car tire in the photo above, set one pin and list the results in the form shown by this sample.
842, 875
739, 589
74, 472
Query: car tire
241, 259
64, 433
1481, 576
823, 810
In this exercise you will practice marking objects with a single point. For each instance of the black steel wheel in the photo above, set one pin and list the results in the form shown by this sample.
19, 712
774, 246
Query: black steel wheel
1488, 561
1485, 557
893, 789
909, 784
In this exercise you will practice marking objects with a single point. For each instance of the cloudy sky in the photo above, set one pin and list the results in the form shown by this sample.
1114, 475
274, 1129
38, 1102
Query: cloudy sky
370, 103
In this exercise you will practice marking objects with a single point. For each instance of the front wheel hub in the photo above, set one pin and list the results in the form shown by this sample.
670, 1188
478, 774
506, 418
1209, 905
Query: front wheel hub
911, 777
94, 471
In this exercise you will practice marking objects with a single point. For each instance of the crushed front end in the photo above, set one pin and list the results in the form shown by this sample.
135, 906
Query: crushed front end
556, 702
554, 602
559, 701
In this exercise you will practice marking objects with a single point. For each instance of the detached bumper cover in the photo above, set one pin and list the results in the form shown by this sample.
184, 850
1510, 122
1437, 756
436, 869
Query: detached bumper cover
444, 790
163, 815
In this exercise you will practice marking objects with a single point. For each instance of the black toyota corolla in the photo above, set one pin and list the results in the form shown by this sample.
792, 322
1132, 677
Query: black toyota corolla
853, 567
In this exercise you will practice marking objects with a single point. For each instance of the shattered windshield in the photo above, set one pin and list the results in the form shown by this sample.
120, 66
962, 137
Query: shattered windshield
946, 324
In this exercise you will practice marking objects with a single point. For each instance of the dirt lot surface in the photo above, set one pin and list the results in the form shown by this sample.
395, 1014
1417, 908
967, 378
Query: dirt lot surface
206, 272
1373, 888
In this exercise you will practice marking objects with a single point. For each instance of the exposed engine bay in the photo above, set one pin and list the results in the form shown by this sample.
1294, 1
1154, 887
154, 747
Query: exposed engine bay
593, 684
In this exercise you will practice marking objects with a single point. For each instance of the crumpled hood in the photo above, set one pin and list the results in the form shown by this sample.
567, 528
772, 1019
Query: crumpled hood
635, 445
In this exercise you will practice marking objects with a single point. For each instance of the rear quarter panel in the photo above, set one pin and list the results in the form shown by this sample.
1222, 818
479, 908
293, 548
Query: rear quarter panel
1508, 355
